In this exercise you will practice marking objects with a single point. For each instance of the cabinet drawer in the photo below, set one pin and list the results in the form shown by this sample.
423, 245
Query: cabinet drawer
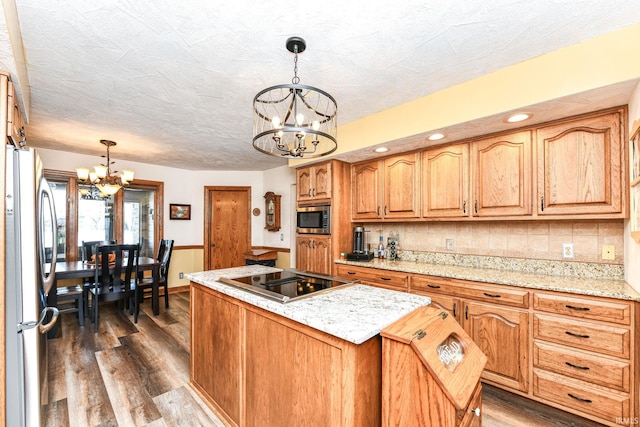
385, 278
580, 396
481, 292
604, 339
581, 365
585, 308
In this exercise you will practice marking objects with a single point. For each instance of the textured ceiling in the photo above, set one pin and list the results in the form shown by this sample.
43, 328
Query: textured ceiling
173, 81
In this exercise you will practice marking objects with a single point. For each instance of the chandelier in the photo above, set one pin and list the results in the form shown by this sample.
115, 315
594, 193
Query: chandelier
294, 120
106, 184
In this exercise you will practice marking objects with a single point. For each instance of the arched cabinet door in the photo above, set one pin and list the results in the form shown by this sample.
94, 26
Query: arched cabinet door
580, 166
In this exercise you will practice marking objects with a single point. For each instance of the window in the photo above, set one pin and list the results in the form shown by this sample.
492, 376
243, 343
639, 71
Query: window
130, 216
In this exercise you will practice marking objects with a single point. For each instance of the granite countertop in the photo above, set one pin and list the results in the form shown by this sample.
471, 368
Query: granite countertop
603, 287
353, 313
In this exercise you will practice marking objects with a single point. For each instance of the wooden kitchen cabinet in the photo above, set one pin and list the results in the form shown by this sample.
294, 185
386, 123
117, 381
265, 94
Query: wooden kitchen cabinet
581, 166
582, 355
313, 253
501, 175
386, 189
314, 182
502, 333
496, 319
219, 342
11, 110
395, 280
445, 181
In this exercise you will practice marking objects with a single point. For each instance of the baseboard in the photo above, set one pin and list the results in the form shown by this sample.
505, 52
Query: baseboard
177, 289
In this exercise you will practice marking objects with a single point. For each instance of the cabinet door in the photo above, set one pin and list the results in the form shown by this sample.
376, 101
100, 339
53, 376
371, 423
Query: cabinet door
322, 181
402, 187
503, 336
15, 123
449, 304
321, 258
501, 174
445, 181
365, 190
580, 168
304, 253
303, 184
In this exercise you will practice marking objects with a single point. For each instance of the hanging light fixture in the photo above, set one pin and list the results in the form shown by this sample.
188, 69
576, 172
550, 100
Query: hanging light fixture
294, 120
106, 183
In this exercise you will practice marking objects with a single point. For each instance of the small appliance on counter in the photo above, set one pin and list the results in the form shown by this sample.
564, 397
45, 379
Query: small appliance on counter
360, 247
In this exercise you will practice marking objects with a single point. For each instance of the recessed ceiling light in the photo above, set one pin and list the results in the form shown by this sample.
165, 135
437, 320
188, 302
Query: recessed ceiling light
381, 150
518, 117
435, 137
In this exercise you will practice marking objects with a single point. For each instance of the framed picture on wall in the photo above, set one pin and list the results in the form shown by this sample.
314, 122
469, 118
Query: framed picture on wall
177, 211
634, 187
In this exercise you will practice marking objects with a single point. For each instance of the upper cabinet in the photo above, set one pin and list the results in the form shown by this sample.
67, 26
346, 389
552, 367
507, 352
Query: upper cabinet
487, 177
501, 175
386, 189
445, 181
581, 166
15, 121
314, 182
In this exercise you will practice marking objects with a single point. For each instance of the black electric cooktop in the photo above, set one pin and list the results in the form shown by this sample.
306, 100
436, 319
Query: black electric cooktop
286, 285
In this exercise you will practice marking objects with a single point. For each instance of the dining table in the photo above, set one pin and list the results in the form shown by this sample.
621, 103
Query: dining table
86, 270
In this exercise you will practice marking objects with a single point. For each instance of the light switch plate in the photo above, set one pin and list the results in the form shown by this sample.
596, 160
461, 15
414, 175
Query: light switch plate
608, 252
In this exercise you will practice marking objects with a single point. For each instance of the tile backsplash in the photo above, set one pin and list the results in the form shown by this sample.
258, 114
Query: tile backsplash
541, 240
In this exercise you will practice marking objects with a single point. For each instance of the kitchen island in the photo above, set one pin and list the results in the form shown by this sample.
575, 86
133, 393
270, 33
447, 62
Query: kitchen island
314, 361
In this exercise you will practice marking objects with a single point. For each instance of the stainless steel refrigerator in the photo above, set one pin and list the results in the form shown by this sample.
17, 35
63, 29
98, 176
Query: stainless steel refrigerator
30, 268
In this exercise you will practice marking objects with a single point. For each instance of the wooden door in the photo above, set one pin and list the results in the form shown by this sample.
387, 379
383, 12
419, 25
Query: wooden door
503, 336
402, 186
501, 173
365, 190
322, 181
580, 167
445, 182
227, 234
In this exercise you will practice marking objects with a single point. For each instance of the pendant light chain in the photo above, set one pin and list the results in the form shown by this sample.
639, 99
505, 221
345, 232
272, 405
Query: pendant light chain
295, 80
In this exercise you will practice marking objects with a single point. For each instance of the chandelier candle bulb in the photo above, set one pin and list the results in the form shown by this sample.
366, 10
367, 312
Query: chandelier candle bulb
101, 181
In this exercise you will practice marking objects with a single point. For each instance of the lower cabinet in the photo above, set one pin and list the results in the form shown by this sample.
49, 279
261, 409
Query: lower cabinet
313, 253
256, 368
569, 351
502, 333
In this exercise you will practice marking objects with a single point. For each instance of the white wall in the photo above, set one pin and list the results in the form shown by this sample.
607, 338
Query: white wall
631, 248
187, 187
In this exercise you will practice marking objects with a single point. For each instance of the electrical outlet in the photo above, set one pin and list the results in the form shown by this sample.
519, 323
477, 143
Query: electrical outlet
567, 250
608, 252
181, 275
281, 237
450, 245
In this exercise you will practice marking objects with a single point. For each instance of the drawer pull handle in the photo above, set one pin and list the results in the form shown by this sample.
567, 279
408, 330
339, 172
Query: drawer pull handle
584, 368
385, 278
578, 308
351, 272
454, 309
579, 399
434, 286
491, 295
573, 334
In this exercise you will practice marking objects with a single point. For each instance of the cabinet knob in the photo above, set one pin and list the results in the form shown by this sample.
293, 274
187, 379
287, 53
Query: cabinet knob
476, 411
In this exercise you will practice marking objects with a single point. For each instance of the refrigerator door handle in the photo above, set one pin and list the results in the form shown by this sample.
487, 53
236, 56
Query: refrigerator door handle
23, 326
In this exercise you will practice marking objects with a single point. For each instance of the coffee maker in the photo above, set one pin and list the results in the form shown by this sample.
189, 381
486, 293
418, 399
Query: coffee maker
360, 250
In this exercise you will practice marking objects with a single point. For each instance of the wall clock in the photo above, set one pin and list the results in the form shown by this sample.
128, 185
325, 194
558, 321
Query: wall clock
272, 211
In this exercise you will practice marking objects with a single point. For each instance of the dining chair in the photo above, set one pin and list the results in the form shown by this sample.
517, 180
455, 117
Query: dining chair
87, 250
70, 299
164, 258
115, 277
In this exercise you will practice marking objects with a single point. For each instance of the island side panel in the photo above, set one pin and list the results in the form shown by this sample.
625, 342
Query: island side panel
322, 377
216, 352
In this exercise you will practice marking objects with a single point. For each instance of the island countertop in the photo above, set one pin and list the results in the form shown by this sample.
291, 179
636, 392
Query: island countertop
354, 313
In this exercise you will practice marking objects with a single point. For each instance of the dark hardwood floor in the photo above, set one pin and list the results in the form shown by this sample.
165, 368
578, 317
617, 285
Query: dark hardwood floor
138, 375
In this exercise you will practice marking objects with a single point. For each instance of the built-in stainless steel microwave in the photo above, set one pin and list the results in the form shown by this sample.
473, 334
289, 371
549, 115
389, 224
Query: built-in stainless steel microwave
314, 220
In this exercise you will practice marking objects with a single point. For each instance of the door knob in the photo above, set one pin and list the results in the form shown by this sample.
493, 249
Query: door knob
213, 245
